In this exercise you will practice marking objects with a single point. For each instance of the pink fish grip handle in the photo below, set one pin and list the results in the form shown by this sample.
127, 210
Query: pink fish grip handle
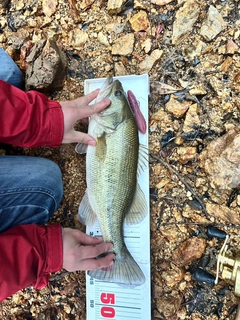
140, 120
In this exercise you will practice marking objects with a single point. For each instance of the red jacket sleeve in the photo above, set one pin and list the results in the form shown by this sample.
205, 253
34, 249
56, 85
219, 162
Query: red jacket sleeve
29, 119
28, 254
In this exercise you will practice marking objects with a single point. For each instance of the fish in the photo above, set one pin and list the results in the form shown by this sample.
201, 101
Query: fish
113, 195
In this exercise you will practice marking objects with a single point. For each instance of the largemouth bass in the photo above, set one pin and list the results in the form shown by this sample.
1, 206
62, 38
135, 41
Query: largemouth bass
113, 194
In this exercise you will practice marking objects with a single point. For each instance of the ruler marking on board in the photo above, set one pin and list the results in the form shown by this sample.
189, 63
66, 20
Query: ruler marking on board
116, 306
108, 300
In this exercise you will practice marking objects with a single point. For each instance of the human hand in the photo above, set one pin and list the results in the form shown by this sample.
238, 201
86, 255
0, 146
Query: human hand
79, 109
80, 251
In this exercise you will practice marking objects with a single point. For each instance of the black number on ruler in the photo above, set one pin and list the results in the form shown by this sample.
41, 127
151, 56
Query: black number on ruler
92, 303
91, 281
91, 233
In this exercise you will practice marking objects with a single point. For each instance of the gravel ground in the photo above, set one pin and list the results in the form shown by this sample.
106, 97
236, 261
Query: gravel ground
190, 49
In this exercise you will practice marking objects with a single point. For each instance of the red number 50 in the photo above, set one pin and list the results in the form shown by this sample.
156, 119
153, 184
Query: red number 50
108, 312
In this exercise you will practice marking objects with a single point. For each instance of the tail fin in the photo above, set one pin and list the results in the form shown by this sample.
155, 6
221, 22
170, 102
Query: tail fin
125, 272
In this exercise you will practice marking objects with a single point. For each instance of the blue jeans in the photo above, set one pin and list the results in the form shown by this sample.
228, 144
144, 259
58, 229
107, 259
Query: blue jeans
31, 188
9, 71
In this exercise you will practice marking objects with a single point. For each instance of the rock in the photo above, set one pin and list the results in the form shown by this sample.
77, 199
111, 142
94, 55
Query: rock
25, 51
77, 38
226, 64
194, 49
172, 277
185, 18
120, 70
102, 38
161, 2
140, 22
19, 38
73, 11
221, 160
197, 91
161, 116
49, 7
138, 5
115, 6
163, 182
46, 67
192, 118
176, 108
170, 233
213, 24
4, 3
231, 47
187, 154
222, 212
235, 85
146, 45
84, 4
123, 45
168, 305
188, 251
146, 65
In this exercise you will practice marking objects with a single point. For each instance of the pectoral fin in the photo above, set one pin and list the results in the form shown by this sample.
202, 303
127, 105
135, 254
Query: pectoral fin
85, 212
138, 210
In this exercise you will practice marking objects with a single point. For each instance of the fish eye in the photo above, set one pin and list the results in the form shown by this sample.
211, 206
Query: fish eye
118, 93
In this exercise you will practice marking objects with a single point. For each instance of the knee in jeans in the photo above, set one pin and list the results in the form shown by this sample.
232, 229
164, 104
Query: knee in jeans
51, 177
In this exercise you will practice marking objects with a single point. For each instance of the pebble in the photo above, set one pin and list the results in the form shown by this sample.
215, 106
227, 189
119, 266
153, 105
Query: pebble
220, 160
187, 154
49, 7
140, 21
123, 45
176, 108
191, 119
188, 251
115, 6
185, 18
146, 65
213, 24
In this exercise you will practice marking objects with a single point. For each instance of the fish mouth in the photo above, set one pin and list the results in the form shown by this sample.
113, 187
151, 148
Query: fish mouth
104, 91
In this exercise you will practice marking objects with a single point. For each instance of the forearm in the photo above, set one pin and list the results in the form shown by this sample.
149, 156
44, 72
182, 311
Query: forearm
28, 255
29, 119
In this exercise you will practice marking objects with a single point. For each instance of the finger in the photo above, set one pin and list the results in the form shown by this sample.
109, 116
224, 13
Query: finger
94, 264
87, 252
77, 136
85, 100
85, 239
87, 111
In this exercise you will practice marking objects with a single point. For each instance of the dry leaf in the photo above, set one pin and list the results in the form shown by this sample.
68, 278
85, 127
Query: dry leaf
163, 88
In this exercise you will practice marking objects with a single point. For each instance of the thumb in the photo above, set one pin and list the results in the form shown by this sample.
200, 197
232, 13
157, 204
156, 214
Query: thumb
73, 136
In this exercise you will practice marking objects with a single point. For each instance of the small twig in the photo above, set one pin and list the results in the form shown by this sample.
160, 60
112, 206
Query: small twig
166, 165
201, 224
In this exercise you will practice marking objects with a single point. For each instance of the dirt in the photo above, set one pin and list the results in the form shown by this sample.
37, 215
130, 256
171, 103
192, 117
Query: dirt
193, 63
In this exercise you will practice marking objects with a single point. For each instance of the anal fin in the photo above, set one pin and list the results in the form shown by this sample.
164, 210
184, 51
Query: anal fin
138, 209
85, 213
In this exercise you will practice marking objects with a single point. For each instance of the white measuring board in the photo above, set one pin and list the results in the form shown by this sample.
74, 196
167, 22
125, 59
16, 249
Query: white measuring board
108, 300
